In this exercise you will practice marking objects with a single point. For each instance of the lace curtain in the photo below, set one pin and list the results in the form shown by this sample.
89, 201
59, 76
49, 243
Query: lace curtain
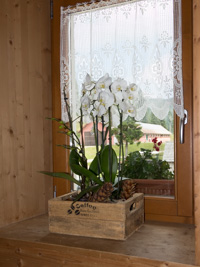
139, 41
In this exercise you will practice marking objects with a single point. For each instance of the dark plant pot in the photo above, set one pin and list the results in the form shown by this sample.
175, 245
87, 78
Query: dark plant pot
155, 187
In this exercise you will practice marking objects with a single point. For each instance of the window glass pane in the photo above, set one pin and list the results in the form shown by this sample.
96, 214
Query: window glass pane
133, 41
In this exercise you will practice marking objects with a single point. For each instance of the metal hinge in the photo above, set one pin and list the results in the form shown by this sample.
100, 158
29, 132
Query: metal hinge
51, 9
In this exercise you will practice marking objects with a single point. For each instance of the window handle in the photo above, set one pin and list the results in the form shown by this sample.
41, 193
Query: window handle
183, 122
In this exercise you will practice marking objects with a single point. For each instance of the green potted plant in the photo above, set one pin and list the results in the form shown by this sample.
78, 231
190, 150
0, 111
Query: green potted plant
110, 103
152, 175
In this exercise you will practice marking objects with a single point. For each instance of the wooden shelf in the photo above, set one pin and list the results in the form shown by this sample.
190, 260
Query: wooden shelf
29, 243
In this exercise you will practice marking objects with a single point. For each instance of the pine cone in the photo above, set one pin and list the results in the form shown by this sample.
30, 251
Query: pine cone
128, 188
103, 193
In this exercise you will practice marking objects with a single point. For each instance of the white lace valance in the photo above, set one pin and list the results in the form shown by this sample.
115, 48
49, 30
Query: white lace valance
139, 41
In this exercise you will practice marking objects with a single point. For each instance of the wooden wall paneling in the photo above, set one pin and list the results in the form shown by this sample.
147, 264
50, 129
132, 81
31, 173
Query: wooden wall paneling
26, 172
1, 159
8, 119
19, 116
36, 103
4, 117
35, 12
25, 134
47, 95
11, 202
196, 97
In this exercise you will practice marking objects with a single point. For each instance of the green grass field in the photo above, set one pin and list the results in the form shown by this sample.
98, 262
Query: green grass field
91, 150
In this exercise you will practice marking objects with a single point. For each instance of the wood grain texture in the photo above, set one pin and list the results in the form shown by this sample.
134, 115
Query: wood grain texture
25, 134
196, 99
157, 241
23, 253
91, 219
184, 152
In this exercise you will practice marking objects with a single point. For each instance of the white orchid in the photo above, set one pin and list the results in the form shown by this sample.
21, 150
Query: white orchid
83, 91
131, 111
94, 93
118, 97
132, 92
104, 101
86, 105
133, 88
124, 105
119, 88
104, 82
99, 96
88, 84
115, 118
119, 85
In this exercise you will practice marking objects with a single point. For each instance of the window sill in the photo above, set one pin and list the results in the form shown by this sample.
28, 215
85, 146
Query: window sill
154, 241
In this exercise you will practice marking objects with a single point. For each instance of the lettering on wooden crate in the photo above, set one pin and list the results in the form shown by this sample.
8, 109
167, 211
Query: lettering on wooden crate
86, 209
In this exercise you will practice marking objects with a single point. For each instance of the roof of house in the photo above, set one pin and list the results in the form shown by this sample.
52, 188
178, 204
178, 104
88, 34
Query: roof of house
89, 127
148, 128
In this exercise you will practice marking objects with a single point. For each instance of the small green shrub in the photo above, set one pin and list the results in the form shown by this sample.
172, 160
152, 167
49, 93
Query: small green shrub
144, 166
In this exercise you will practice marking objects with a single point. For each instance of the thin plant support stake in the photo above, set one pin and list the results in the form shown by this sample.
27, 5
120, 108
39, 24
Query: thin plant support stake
120, 150
97, 145
82, 149
102, 134
69, 116
110, 145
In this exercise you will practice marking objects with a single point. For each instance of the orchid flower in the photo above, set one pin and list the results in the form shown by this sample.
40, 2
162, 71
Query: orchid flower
104, 82
119, 97
131, 111
115, 119
123, 106
104, 101
119, 85
132, 88
115, 116
132, 92
88, 84
85, 104
94, 93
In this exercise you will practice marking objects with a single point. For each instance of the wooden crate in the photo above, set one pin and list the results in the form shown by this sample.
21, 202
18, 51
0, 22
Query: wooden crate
102, 220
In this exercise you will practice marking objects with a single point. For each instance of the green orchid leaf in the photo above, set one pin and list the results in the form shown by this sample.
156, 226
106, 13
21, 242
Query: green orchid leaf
105, 164
83, 171
94, 166
53, 119
74, 160
67, 146
62, 175
85, 191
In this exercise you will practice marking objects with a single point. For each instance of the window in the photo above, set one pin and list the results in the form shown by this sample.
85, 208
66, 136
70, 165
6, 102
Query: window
179, 208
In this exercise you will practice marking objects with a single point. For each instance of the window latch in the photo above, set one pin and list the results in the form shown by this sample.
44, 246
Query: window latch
183, 122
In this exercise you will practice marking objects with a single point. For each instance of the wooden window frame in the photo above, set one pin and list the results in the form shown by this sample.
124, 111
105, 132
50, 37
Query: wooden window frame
180, 209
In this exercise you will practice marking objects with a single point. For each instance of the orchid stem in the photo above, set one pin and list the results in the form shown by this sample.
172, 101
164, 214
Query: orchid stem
110, 145
96, 142
120, 151
102, 134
